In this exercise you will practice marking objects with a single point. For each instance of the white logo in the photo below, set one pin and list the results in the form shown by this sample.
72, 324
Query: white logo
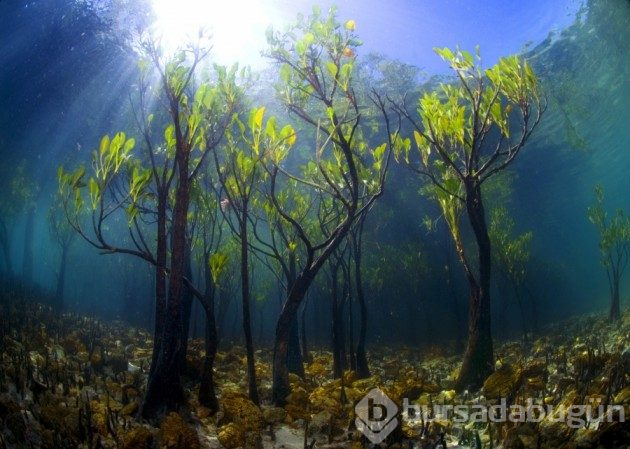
376, 416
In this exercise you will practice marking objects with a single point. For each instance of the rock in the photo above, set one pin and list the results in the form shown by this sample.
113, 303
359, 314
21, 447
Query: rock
503, 383
623, 397
274, 415
231, 436
137, 438
238, 409
175, 433
129, 409
349, 377
535, 368
554, 434
407, 388
365, 385
513, 441
585, 438
320, 423
445, 397
298, 395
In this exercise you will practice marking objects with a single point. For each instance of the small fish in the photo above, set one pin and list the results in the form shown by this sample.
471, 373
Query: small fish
350, 25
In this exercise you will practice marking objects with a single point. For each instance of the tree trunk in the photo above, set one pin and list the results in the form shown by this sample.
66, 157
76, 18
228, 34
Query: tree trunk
222, 311
187, 301
247, 322
294, 361
615, 305
207, 395
457, 314
164, 387
281, 387
305, 354
352, 356
363, 369
61, 279
338, 334
303, 281
27, 259
478, 360
160, 279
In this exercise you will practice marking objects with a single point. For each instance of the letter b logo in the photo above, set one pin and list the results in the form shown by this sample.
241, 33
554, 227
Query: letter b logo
376, 416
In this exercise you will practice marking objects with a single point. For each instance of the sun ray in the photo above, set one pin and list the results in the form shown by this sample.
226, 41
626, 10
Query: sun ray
237, 26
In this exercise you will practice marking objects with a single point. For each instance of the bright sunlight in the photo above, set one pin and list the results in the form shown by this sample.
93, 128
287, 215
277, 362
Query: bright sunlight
237, 27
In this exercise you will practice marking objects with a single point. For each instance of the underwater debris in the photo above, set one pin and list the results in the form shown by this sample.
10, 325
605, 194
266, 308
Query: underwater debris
55, 397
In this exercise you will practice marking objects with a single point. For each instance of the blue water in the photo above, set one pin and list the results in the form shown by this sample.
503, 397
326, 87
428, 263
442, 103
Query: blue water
62, 87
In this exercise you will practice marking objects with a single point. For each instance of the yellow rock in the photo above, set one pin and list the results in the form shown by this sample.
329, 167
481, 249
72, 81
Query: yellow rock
623, 397
175, 433
137, 438
274, 415
238, 409
536, 383
365, 385
502, 383
445, 397
129, 409
231, 436
298, 396
349, 377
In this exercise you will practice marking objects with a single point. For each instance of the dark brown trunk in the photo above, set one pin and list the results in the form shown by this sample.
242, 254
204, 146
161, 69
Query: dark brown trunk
294, 360
222, 310
164, 387
247, 321
61, 279
615, 305
187, 301
160, 279
281, 387
362, 367
305, 353
457, 313
338, 328
478, 360
352, 356
207, 395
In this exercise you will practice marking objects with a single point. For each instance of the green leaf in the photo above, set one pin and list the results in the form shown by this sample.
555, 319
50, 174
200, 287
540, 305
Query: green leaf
259, 117
217, 262
129, 144
332, 69
94, 192
445, 53
169, 136
104, 145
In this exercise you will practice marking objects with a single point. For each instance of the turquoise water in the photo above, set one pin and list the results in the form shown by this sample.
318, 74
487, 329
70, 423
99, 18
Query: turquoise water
58, 71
